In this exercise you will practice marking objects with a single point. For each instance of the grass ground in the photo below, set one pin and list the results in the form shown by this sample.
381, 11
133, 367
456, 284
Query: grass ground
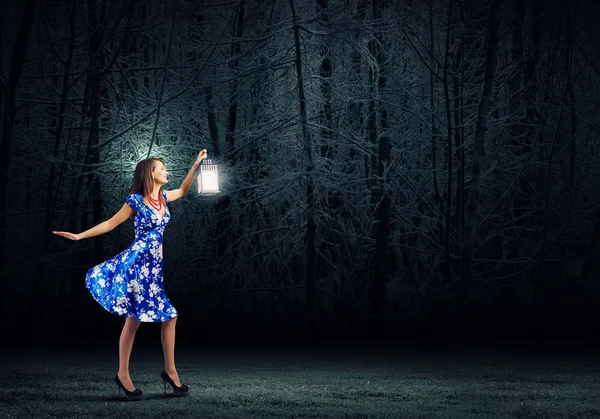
304, 381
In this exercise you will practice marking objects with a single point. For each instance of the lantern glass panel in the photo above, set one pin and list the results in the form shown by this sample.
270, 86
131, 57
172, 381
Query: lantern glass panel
210, 183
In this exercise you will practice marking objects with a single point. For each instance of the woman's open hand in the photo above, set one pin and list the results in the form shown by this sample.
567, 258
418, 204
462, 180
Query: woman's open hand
67, 235
201, 156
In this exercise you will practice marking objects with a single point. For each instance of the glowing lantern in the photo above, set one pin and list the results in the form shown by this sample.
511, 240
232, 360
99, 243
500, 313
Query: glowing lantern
208, 179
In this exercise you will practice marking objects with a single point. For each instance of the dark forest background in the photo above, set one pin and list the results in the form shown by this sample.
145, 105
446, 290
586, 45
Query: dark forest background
390, 169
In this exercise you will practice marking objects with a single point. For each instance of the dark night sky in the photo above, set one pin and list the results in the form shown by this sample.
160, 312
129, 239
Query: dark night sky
389, 171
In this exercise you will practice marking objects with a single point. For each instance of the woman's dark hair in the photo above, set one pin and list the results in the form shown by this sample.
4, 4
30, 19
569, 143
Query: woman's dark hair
142, 178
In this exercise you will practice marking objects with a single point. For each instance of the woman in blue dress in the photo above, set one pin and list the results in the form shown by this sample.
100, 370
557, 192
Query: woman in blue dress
131, 283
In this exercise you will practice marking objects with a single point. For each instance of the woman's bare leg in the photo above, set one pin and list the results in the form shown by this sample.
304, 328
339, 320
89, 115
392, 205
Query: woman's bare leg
125, 344
167, 336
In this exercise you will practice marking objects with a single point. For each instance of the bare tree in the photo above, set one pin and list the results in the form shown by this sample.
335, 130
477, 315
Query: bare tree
8, 89
51, 192
479, 152
310, 204
237, 29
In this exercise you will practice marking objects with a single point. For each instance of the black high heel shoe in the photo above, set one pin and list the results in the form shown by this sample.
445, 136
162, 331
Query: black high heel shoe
177, 391
131, 395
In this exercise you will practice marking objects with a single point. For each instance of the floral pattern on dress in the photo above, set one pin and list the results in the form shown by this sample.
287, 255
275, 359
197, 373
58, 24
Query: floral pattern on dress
131, 283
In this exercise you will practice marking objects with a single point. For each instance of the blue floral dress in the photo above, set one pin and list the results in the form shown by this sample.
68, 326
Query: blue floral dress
131, 283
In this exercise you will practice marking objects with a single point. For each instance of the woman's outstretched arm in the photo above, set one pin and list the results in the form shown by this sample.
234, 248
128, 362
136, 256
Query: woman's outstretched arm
187, 182
104, 227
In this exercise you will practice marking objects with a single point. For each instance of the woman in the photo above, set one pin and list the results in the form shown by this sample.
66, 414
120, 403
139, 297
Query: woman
131, 283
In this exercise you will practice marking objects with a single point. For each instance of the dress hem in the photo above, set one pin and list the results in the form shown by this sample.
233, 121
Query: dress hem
127, 315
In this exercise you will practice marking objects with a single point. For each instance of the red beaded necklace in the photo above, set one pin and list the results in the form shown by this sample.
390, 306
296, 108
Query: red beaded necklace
155, 203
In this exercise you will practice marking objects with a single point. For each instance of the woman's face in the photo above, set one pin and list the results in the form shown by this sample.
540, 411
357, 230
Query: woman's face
159, 173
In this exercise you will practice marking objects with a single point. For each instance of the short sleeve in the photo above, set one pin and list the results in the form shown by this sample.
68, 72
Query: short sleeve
165, 196
132, 201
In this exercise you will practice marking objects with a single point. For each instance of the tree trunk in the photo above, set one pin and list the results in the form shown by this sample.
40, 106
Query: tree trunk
325, 71
18, 55
479, 152
233, 97
98, 100
355, 107
382, 230
449, 153
310, 207
459, 150
51, 194
524, 194
571, 5
212, 122
548, 178
437, 197
569, 24
515, 103
167, 57
328, 143
372, 131
587, 268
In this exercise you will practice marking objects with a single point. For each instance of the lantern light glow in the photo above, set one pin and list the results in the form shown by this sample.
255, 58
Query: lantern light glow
208, 179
